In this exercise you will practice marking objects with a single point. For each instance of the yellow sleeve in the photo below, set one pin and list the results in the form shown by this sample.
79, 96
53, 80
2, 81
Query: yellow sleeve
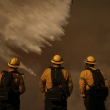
21, 85
70, 84
82, 84
43, 82
0, 78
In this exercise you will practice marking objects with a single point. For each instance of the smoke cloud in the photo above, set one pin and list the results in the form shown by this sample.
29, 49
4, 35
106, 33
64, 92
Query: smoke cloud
30, 25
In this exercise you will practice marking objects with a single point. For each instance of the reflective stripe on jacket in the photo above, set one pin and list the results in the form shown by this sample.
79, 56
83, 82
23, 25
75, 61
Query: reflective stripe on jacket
46, 82
86, 77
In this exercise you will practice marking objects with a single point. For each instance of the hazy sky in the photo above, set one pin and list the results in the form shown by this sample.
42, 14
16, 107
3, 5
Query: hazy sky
27, 25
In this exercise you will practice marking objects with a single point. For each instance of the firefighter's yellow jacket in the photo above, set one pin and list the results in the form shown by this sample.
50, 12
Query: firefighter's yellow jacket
86, 77
17, 82
46, 81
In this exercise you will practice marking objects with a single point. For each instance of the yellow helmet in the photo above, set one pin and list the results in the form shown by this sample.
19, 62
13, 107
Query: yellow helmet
90, 60
14, 63
57, 59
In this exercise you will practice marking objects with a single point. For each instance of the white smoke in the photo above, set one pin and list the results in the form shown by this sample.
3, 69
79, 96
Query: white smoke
30, 24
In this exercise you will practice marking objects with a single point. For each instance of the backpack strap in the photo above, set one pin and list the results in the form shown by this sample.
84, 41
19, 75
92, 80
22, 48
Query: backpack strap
85, 81
57, 76
97, 76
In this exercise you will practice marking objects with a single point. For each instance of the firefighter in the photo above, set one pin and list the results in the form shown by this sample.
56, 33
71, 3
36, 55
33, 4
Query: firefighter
17, 86
56, 85
93, 85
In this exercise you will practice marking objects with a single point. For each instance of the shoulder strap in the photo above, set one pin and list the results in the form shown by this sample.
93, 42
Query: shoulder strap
97, 76
56, 75
85, 81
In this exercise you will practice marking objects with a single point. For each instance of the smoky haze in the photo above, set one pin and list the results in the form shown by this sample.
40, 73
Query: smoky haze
88, 33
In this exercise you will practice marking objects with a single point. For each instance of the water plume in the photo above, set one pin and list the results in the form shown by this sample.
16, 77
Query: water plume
30, 25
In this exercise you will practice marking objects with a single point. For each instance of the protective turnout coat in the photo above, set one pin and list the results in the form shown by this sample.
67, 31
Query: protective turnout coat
86, 77
46, 81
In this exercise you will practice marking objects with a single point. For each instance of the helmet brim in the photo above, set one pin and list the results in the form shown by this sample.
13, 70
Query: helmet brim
57, 62
13, 65
90, 62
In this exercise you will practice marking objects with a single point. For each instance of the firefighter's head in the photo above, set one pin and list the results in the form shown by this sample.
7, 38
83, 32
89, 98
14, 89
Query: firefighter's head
57, 60
14, 63
90, 61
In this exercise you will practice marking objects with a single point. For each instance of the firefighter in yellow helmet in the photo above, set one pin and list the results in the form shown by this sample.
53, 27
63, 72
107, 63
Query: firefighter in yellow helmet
56, 85
11, 86
93, 85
